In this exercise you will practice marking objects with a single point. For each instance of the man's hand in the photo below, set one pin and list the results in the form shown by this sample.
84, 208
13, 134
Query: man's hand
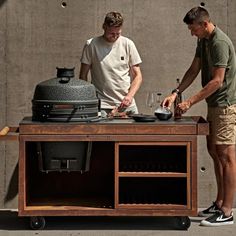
167, 102
183, 106
126, 102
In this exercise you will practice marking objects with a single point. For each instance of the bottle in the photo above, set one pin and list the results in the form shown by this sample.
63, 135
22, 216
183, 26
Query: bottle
178, 100
99, 106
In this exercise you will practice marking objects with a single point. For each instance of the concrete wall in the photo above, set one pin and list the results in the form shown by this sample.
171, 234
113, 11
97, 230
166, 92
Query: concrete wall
36, 36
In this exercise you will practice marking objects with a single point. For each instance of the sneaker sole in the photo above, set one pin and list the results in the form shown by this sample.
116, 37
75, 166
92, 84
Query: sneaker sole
206, 223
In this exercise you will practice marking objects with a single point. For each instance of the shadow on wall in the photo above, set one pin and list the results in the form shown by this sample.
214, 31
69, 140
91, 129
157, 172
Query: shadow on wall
12, 190
2, 2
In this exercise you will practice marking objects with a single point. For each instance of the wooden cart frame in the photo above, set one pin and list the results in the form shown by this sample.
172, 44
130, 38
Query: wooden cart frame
128, 174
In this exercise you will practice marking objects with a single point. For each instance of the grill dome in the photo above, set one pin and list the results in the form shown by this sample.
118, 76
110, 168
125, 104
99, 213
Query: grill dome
64, 98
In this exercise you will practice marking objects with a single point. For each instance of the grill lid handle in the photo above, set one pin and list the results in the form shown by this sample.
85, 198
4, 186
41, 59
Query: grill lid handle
65, 73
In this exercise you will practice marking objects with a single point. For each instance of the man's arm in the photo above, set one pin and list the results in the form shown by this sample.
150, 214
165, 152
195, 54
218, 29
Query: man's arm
218, 74
134, 87
187, 80
190, 74
84, 69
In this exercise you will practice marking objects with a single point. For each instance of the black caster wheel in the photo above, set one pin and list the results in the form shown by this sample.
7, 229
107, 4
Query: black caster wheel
183, 222
37, 222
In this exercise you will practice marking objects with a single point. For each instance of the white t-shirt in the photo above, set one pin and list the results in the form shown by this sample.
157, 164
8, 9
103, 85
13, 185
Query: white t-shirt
110, 66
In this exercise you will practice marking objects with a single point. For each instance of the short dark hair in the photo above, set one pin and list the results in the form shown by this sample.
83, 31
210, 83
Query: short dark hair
113, 19
196, 15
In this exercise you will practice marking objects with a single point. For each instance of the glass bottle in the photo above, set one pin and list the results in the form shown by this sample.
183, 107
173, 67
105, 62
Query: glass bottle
178, 100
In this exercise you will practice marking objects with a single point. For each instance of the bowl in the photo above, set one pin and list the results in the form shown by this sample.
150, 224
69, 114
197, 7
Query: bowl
163, 113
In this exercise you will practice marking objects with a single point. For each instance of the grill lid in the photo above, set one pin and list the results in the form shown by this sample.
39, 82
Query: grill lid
64, 88
65, 98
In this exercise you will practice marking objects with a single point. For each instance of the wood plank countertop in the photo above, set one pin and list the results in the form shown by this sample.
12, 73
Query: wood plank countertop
189, 125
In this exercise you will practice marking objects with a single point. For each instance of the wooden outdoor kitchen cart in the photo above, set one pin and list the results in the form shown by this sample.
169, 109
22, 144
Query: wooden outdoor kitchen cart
135, 169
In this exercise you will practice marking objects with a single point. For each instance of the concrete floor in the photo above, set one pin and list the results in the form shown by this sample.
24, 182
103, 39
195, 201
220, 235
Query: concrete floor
11, 224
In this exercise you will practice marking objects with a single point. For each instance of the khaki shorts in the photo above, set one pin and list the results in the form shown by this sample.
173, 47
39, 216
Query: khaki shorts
222, 123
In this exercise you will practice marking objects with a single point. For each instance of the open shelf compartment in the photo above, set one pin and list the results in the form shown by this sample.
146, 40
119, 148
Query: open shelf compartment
152, 175
91, 189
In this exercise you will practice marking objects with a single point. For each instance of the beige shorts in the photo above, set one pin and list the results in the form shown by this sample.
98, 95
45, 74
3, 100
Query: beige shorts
222, 123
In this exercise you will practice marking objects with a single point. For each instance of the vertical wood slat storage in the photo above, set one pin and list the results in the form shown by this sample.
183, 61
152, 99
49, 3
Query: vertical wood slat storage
136, 169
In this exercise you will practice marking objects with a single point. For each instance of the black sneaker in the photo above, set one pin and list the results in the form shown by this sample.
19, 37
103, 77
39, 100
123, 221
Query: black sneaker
218, 219
209, 211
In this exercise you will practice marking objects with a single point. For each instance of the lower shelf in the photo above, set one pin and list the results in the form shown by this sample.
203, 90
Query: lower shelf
70, 207
151, 191
86, 202
89, 202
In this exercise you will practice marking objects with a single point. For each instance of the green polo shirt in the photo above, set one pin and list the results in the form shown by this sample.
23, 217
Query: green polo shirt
218, 51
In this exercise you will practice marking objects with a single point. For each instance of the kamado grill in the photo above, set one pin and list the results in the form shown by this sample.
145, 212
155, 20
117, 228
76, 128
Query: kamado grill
65, 99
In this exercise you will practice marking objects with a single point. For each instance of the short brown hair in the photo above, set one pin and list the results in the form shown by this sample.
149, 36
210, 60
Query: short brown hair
113, 19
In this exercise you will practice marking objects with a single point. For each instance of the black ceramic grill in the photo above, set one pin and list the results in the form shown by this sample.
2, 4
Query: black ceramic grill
65, 98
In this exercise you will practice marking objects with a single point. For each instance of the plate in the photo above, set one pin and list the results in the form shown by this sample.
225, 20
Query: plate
144, 118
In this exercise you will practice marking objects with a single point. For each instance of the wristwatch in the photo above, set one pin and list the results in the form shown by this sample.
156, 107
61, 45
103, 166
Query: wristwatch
175, 91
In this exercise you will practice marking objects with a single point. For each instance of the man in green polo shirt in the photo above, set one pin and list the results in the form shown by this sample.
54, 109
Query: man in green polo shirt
215, 58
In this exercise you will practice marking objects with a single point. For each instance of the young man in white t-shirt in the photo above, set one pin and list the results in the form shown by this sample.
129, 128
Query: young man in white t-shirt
113, 62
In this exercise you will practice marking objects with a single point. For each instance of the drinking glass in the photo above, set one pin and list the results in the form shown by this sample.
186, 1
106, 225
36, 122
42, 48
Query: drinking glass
150, 102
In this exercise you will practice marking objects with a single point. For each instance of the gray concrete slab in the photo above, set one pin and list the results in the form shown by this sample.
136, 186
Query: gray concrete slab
11, 224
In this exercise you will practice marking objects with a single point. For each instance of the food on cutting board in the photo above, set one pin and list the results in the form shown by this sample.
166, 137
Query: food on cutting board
118, 112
